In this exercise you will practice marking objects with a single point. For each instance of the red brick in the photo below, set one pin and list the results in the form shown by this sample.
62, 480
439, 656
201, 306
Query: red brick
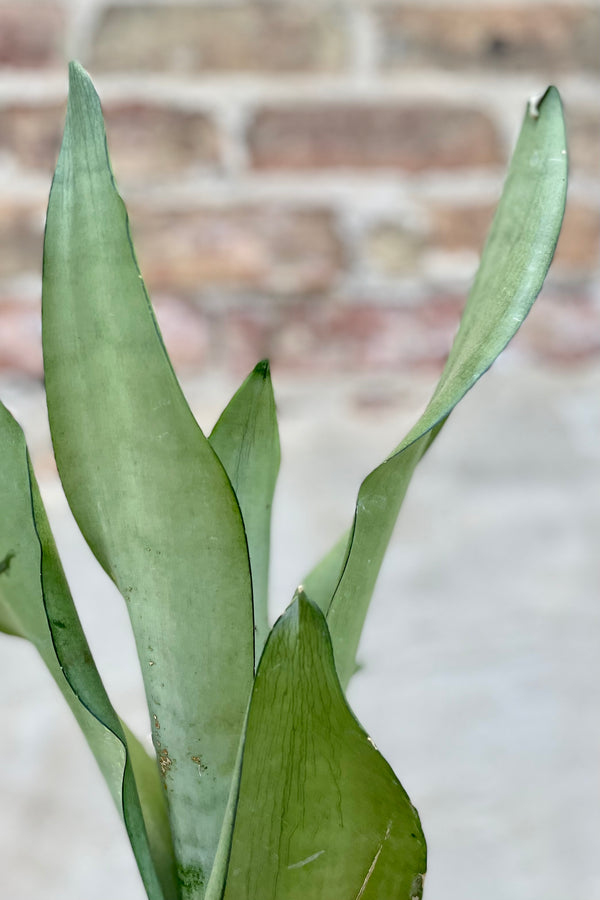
346, 338
185, 331
583, 137
465, 228
157, 141
393, 249
184, 328
21, 237
145, 139
245, 337
555, 38
579, 242
460, 227
31, 34
414, 138
246, 37
562, 329
20, 338
31, 134
271, 249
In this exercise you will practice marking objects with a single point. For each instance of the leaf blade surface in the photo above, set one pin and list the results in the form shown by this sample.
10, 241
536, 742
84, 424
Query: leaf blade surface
246, 440
515, 260
35, 598
147, 491
320, 813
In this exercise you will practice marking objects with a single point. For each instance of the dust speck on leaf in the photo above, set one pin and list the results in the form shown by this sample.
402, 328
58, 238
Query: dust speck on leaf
533, 106
305, 862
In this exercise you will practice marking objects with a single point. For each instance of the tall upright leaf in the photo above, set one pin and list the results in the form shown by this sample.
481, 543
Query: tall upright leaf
246, 440
320, 813
36, 604
514, 263
148, 492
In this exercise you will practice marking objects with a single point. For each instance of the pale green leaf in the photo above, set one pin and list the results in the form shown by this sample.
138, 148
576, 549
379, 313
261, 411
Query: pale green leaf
148, 492
320, 814
246, 440
322, 580
36, 602
514, 263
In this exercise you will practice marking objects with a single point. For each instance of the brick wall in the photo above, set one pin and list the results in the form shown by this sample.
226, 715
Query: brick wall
309, 181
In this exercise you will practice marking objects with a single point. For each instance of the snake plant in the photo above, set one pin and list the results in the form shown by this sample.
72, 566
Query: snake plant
263, 785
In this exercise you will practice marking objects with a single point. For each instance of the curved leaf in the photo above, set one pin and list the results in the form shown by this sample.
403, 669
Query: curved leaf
322, 580
514, 263
148, 492
320, 813
246, 440
36, 601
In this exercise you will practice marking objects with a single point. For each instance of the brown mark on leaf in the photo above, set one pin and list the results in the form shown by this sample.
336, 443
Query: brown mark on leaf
164, 761
201, 767
416, 888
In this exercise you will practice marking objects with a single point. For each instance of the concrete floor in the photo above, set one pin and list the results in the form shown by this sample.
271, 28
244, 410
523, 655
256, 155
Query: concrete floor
481, 679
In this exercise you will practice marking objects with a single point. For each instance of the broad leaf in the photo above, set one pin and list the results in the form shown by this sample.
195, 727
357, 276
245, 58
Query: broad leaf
514, 263
320, 813
35, 603
148, 492
246, 441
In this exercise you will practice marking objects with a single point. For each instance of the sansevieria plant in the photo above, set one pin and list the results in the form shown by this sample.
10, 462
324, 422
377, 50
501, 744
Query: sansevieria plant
263, 785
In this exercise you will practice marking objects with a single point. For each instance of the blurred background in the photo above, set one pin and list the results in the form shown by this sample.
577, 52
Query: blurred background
313, 182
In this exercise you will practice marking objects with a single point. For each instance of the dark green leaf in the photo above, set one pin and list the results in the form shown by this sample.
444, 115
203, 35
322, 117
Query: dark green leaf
320, 813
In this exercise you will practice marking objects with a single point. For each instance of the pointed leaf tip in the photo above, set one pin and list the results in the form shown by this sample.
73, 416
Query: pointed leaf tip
76, 69
263, 368
543, 103
80, 81
305, 608
300, 612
